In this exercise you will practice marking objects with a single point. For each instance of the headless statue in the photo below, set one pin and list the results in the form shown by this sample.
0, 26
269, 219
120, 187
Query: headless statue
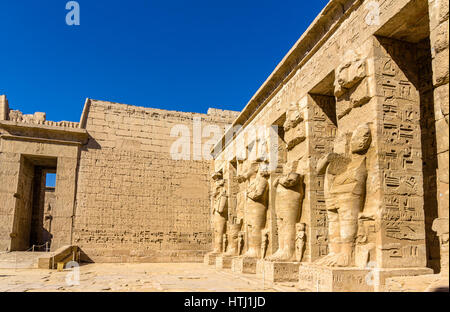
233, 240
288, 203
219, 212
256, 208
345, 188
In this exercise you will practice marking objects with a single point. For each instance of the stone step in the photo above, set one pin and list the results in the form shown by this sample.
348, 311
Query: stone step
20, 259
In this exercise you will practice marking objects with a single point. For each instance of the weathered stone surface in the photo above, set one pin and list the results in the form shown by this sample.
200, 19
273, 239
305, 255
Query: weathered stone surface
223, 262
358, 111
288, 203
115, 183
275, 272
329, 279
243, 265
364, 113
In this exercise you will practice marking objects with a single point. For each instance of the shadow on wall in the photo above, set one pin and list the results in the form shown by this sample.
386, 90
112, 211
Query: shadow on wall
92, 144
84, 258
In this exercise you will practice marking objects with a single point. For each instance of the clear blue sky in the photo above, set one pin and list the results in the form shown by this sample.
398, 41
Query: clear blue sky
177, 55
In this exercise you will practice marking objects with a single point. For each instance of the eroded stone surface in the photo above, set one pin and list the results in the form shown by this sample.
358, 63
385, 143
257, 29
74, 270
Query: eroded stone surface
364, 114
359, 105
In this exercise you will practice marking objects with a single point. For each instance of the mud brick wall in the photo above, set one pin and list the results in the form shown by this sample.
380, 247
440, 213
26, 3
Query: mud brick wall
134, 202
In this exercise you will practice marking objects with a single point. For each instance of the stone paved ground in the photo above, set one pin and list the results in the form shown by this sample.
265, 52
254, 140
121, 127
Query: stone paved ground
161, 277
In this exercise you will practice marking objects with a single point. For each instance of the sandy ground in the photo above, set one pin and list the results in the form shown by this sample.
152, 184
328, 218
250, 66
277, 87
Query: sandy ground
152, 277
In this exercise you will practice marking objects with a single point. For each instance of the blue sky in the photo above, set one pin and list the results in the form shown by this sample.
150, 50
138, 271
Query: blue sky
177, 55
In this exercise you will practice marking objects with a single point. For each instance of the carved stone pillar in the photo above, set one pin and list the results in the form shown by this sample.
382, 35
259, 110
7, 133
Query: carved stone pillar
400, 221
376, 86
4, 108
439, 40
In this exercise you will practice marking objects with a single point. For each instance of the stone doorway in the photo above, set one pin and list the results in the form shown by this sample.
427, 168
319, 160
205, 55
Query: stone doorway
32, 223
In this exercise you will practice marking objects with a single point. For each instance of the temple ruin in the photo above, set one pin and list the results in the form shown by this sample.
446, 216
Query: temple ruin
359, 185
335, 171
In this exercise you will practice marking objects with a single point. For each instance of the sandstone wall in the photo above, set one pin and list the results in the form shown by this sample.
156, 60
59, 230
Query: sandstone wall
134, 202
439, 37
311, 70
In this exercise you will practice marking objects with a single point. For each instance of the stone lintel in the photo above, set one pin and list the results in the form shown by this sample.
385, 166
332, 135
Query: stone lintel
63, 135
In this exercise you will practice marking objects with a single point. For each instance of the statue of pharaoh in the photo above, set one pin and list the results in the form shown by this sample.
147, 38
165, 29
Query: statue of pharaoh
256, 208
288, 204
219, 212
345, 189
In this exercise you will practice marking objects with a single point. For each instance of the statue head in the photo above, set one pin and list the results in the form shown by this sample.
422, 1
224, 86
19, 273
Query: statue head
252, 169
218, 175
263, 169
300, 227
290, 166
291, 177
293, 116
257, 167
241, 170
361, 139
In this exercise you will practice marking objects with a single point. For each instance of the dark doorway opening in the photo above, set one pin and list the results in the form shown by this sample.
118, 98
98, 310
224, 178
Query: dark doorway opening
34, 205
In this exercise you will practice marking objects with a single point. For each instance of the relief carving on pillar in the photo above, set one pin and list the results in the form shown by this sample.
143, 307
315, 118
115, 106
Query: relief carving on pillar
300, 241
351, 84
294, 126
233, 239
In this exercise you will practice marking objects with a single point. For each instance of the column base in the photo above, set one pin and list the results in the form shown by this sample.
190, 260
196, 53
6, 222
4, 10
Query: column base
210, 258
260, 266
244, 265
312, 277
381, 275
223, 262
275, 272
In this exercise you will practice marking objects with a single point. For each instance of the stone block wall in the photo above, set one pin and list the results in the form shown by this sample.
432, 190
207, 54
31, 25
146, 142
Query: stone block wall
382, 72
134, 201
